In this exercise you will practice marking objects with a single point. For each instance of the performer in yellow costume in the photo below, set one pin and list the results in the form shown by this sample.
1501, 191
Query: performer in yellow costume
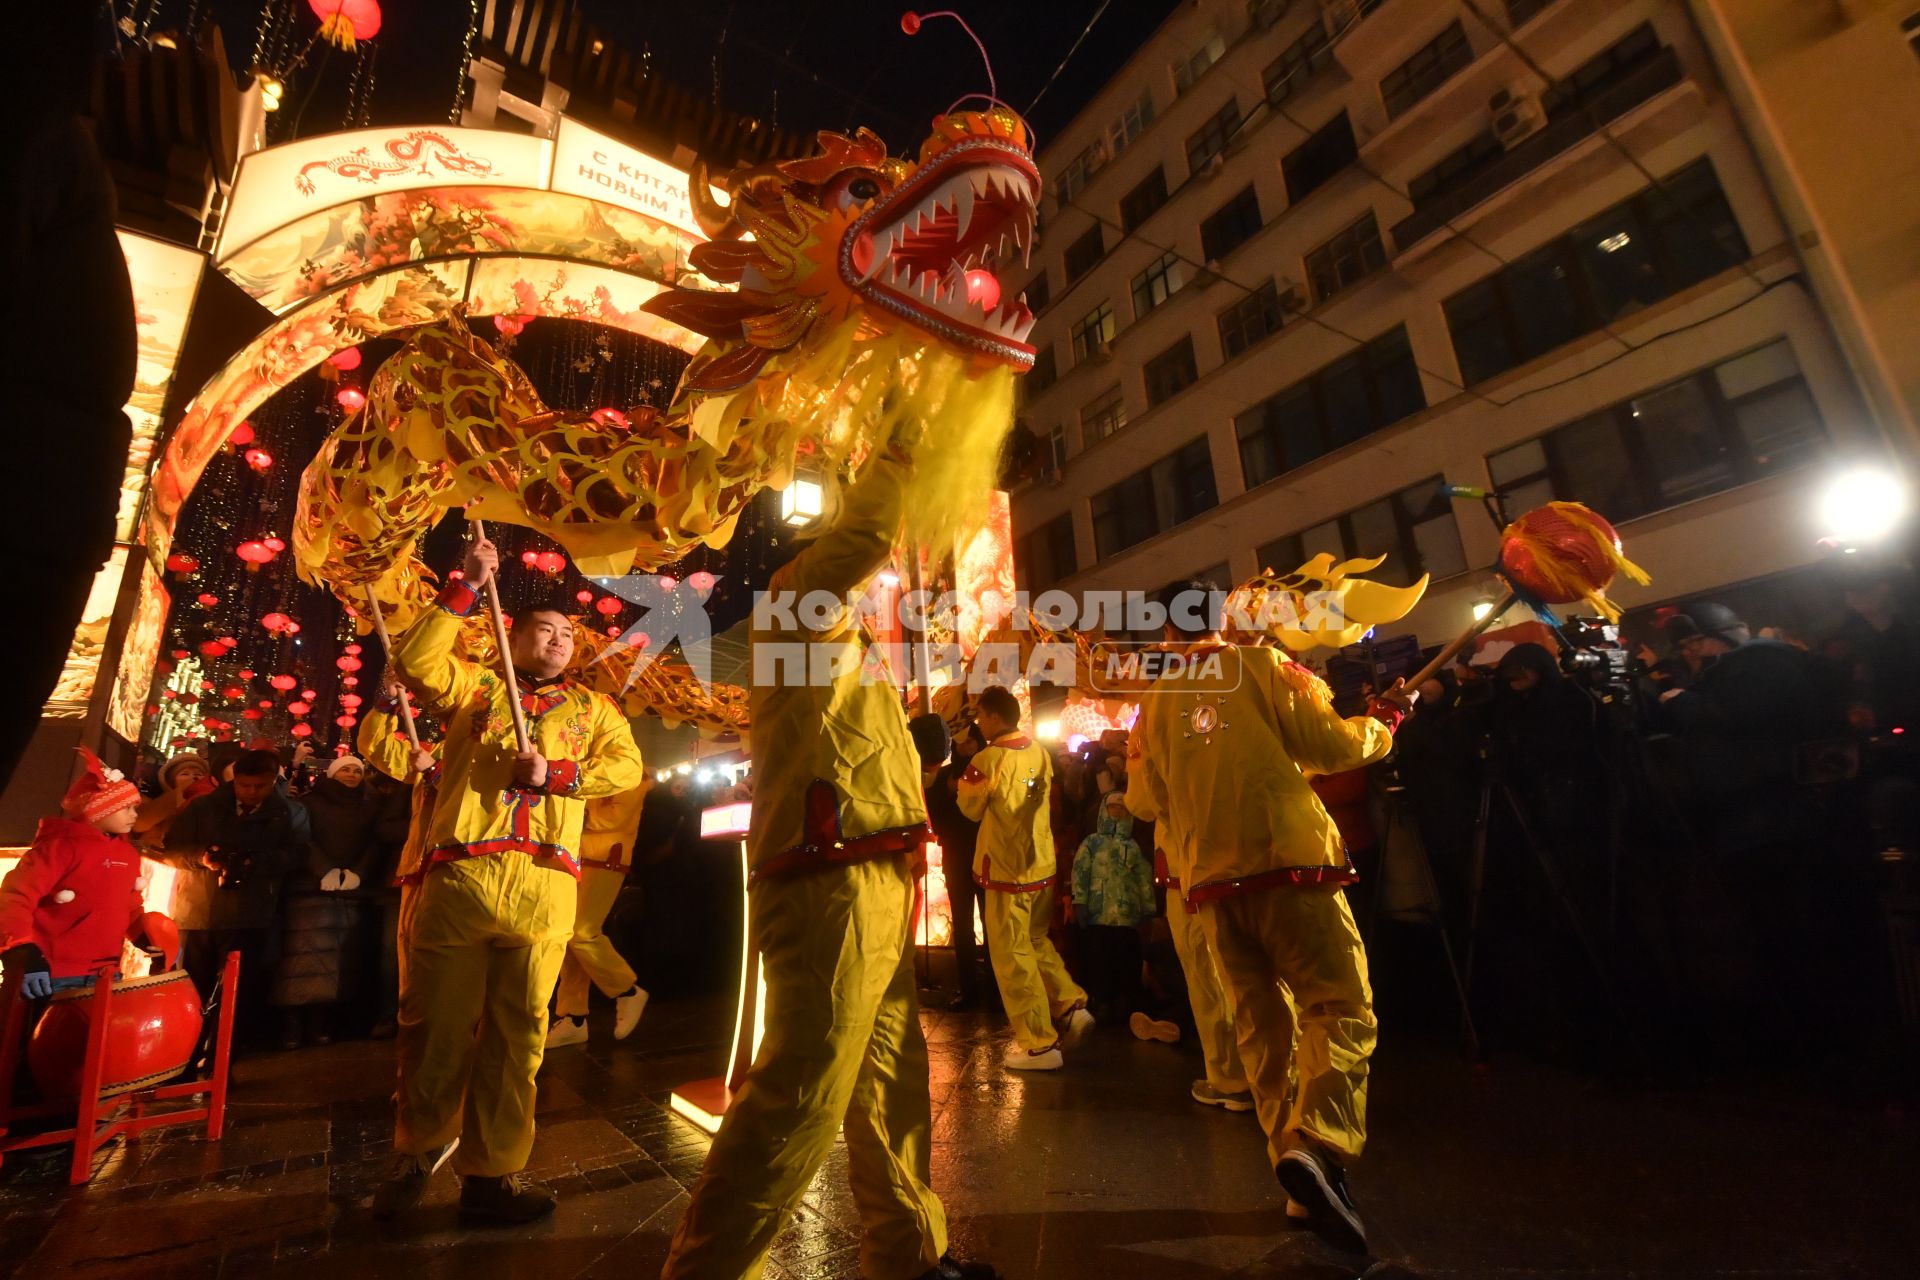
1225, 1084
606, 853
1222, 752
487, 927
838, 819
1006, 790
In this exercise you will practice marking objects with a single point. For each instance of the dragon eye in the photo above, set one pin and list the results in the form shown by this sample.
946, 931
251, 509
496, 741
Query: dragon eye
863, 188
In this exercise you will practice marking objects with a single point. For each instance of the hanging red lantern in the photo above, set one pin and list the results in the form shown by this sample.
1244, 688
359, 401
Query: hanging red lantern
255, 553
667, 582
241, 435
613, 631
349, 682
233, 691
343, 22
550, 562
529, 558
298, 708
301, 731
345, 361
276, 622
307, 694
258, 459
245, 674
207, 685
345, 722
252, 714
227, 642
212, 649
607, 605
282, 682
352, 399
353, 649
347, 663
509, 326
639, 640
274, 545
584, 597
701, 580
181, 655
152, 710
181, 562
265, 704
207, 599
349, 700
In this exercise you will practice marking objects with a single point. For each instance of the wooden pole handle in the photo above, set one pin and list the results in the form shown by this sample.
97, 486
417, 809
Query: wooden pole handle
1459, 642
506, 655
386, 645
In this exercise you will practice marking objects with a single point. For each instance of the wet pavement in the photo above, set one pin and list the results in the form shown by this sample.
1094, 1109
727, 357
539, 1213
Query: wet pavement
1105, 1170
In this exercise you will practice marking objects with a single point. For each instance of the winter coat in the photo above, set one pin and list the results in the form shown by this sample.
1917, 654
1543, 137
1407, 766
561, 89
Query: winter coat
1112, 879
80, 934
343, 820
277, 837
317, 924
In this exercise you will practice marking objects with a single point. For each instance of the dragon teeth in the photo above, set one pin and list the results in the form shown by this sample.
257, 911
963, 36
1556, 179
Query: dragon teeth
963, 209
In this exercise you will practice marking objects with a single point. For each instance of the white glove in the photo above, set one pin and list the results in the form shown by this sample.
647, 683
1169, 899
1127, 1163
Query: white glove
331, 882
349, 879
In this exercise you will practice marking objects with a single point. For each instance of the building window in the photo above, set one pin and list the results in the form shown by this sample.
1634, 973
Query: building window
1520, 11
1353, 397
1726, 425
1074, 178
1171, 372
1212, 137
1601, 72
1041, 376
1643, 249
1251, 319
1037, 294
1103, 415
1308, 166
1157, 283
1455, 169
1347, 258
1130, 124
1056, 448
1085, 253
1046, 555
1414, 529
1140, 203
1432, 65
1230, 226
1190, 68
1298, 63
1092, 332
1169, 493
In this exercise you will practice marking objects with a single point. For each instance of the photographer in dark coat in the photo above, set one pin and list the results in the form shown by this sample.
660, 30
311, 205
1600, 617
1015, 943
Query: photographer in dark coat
323, 904
234, 849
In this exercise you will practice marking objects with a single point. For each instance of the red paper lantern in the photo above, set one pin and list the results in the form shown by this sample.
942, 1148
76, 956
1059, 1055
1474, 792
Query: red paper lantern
274, 545
299, 708
350, 398
241, 435
207, 685
233, 691
152, 710
584, 597
352, 648
613, 631
307, 694
347, 663
207, 599
667, 582
181, 655
529, 558
252, 713
607, 605
639, 640
345, 722
350, 681
276, 622
1558, 560
345, 361
282, 682
301, 731
245, 674
255, 553
510, 326
227, 642
181, 562
212, 649
349, 700
550, 562
265, 704
258, 459
701, 580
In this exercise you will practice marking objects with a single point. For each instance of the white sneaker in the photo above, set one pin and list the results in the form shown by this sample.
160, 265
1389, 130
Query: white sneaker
627, 1010
565, 1031
1145, 1028
1075, 1027
1018, 1059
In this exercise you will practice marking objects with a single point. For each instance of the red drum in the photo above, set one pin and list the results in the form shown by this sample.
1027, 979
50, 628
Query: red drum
154, 1023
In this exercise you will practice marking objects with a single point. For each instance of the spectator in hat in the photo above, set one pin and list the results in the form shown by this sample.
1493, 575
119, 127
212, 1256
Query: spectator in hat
185, 777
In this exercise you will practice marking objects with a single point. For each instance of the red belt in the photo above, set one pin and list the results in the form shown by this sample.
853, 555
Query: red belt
824, 847
1295, 877
1002, 886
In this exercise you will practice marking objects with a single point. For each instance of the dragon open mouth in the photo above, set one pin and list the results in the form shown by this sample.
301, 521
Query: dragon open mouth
928, 250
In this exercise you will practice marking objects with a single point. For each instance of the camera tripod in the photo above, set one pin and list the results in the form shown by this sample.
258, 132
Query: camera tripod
1400, 827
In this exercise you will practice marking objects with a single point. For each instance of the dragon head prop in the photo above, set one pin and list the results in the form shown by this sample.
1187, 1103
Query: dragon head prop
1320, 603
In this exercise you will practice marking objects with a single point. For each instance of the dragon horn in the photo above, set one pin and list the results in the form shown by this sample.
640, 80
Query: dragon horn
714, 218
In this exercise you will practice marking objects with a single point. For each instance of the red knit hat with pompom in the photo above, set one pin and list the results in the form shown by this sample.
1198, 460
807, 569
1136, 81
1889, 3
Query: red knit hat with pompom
98, 792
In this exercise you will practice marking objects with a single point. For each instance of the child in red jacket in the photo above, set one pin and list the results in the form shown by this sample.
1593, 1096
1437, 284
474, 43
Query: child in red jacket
72, 900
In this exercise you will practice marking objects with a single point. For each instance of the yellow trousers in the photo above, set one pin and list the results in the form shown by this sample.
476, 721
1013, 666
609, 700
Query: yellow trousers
482, 940
1272, 942
843, 1051
1034, 984
1212, 1014
590, 954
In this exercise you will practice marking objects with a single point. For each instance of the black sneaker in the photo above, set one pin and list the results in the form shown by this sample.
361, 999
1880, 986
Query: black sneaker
502, 1202
950, 1268
1320, 1187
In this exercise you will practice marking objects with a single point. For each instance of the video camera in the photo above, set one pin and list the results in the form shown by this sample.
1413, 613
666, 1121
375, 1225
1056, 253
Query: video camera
231, 867
1591, 653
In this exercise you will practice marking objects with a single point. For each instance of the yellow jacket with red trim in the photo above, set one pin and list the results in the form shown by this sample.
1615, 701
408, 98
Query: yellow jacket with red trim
587, 742
1220, 759
1007, 789
384, 746
606, 836
817, 714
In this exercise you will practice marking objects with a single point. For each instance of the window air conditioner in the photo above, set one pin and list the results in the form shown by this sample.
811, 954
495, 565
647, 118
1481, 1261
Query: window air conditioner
1517, 116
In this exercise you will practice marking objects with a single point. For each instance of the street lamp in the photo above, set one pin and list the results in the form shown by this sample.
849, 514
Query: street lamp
802, 501
1861, 506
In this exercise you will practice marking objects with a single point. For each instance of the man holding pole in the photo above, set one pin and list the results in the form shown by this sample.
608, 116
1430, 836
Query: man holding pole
486, 926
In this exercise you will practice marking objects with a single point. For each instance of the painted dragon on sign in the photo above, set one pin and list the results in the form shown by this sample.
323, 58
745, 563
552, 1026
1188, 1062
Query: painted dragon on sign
864, 296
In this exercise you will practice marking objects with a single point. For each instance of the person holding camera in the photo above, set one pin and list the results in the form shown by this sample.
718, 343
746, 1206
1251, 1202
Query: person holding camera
235, 848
